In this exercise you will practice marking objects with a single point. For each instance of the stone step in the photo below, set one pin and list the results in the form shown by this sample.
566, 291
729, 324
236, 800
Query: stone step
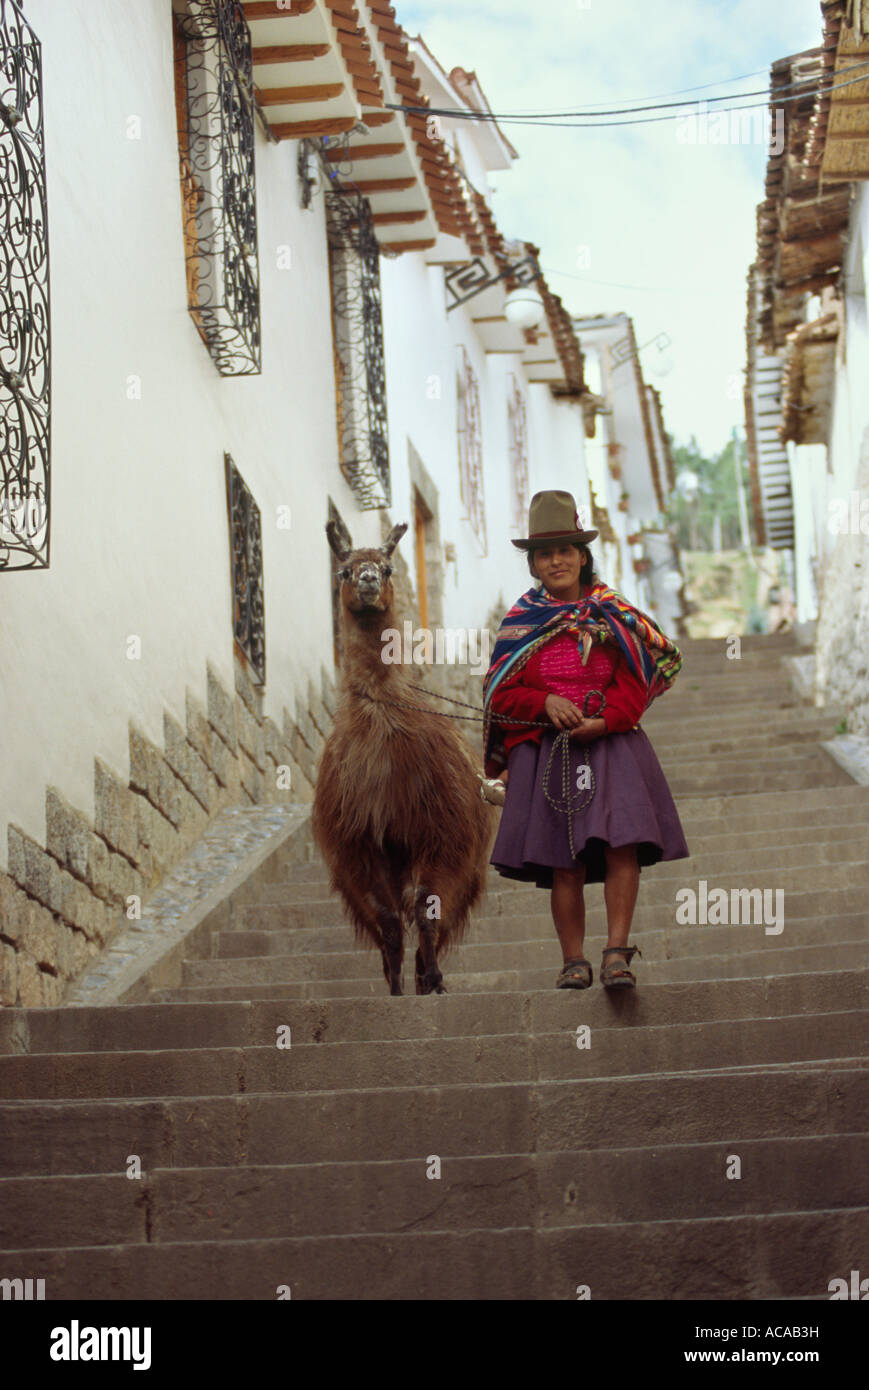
702, 863
474, 958
697, 721
146, 1027
803, 898
826, 828
700, 759
528, 940
500, 1057
762, 1102
572, 1189
769, 1257
747, 783
368, 977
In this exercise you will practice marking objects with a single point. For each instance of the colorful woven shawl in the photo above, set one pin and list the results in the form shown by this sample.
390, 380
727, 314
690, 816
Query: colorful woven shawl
602, 616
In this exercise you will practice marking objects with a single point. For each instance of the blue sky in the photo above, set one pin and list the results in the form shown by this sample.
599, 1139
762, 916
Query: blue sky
671, 224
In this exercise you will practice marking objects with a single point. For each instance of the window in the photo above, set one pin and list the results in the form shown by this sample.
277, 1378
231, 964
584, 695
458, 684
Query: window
214, 106
246, 568
471, 448
518, 445
357, 329
25, 370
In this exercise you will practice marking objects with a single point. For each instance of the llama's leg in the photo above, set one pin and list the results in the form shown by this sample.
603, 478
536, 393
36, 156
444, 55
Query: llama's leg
392, 946
428, 976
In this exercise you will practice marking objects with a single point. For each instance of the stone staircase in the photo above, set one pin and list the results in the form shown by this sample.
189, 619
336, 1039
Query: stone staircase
562, 1167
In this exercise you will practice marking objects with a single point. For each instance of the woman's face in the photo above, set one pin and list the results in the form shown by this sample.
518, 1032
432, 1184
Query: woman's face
559, 569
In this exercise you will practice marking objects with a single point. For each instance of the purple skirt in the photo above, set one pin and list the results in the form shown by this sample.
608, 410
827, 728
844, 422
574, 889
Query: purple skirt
632, 805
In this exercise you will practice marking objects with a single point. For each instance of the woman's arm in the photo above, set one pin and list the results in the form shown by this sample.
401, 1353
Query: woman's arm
518, 701
626, 700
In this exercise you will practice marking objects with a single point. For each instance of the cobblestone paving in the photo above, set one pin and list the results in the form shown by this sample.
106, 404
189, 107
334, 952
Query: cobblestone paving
235, 833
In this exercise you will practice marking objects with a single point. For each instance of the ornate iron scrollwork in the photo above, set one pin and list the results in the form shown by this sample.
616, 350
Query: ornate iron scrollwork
248, 601
218, 183
357, 323
469, 279
25, 340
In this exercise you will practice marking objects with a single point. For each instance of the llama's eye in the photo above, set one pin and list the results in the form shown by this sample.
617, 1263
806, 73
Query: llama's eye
343, 574
387, 571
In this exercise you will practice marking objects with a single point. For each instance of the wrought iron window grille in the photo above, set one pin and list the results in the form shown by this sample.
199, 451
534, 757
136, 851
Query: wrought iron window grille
471, 447
246, 559
25, 336
217, 157
357, 326
518, 422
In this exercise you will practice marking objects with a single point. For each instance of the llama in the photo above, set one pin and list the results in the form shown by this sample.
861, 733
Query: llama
397, 815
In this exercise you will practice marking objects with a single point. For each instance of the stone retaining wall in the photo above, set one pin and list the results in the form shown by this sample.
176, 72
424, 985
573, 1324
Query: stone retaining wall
61, 904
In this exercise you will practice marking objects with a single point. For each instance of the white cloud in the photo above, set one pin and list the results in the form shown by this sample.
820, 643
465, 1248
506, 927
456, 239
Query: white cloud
653, 212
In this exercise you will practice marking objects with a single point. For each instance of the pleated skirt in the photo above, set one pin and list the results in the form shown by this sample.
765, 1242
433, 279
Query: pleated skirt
631, 805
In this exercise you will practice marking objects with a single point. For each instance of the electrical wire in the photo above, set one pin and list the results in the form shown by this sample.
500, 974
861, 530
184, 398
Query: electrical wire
701, 87
546, 123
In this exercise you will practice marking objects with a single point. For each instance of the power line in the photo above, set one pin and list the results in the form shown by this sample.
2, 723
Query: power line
546, 123
701, 87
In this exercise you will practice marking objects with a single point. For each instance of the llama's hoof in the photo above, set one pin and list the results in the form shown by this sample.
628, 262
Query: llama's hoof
433, 985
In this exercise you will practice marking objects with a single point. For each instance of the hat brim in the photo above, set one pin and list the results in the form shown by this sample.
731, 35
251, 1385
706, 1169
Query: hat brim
572, 537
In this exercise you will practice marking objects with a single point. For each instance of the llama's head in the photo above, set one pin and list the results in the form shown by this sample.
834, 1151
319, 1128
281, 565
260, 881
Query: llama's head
366, 583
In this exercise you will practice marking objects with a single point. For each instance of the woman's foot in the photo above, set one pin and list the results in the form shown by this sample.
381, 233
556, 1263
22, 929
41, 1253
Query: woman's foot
615, 971
575, 974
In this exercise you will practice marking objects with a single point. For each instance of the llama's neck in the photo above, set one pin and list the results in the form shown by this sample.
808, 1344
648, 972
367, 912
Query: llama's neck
365, 671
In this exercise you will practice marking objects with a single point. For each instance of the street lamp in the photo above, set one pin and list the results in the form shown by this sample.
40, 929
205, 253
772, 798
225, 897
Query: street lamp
524, 307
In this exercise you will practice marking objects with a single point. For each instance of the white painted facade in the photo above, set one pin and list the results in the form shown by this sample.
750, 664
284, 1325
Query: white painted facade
826, 477
141, 420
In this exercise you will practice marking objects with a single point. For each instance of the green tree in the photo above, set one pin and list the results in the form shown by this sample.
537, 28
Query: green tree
717, 495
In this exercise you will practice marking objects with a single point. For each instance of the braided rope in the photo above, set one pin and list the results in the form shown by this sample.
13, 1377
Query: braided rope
567, 805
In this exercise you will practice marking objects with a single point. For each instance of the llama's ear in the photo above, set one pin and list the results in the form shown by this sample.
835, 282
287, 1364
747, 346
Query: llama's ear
393, 538
339, 539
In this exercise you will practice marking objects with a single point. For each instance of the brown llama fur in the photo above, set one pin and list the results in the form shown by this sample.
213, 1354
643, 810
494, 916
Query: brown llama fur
397, 815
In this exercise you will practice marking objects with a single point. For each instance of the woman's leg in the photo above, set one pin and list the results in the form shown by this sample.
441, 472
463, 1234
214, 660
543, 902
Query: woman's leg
568, 909
620, 893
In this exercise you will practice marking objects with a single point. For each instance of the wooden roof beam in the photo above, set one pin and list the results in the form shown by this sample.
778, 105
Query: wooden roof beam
287, 96
290, 53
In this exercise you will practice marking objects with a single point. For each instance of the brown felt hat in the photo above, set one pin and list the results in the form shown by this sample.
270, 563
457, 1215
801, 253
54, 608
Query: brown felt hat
553, 518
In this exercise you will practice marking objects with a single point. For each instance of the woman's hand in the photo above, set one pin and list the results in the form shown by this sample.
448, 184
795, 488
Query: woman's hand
563, 713
589, 729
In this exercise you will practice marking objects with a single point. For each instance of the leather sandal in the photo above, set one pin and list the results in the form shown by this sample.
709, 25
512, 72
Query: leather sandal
575, 974
616, 974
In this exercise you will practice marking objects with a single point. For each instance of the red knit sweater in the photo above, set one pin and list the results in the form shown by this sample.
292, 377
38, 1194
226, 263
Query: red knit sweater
557, 669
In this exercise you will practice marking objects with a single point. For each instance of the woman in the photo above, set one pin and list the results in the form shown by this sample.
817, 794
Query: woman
586, 799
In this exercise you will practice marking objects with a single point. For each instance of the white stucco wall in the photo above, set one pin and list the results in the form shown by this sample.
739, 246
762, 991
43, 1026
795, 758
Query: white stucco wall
422, 355
139, 532
842, 648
